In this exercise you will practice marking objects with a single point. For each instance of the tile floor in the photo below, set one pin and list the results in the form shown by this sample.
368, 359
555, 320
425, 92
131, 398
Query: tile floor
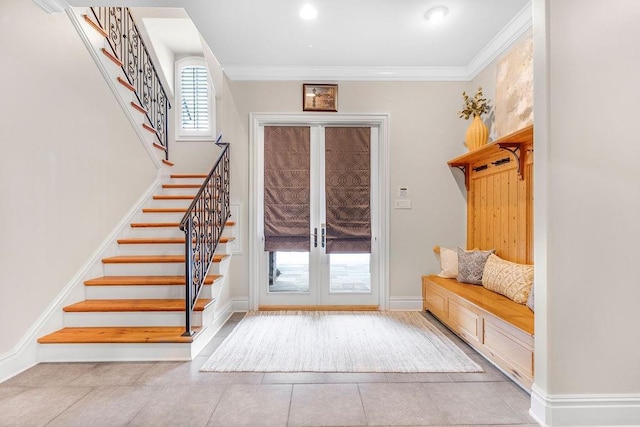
177, 394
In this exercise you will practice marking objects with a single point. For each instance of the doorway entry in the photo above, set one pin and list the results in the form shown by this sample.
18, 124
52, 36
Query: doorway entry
318, 212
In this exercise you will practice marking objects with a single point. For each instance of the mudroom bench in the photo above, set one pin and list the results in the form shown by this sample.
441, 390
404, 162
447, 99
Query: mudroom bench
497, 327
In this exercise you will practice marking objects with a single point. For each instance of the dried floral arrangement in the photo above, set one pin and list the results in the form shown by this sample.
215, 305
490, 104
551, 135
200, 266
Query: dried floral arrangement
476, 106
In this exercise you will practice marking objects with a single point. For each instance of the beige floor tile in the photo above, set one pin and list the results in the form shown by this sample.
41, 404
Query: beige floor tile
112, 374
253, 405
180, 405
515, 397
230, 377
38, 406
293, 378
326, 405
490, 374
399, 404
7, 392
354, 377
106, 406
211, 346
50, 374
166, 373
473, 403
419, 377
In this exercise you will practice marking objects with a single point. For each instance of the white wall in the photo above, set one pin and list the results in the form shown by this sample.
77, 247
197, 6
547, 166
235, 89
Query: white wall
487, 80
587, 212
425, 132
72, 165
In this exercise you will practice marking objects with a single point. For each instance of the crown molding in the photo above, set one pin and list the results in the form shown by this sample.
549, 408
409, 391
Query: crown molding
52, 6
500, 44
343, 73
519, 25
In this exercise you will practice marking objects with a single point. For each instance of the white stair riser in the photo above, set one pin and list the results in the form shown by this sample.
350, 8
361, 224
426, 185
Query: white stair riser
130, 319
198, 181
114, 352
160, 232
148, 249
142, 292
169, 203
160, 217
151, 269
160, 249
167, 232
178, 191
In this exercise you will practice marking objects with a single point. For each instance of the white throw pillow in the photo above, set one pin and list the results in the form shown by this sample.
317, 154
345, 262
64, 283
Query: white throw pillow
448, 263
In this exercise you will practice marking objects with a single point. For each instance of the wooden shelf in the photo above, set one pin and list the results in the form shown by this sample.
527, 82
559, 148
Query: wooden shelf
512, 143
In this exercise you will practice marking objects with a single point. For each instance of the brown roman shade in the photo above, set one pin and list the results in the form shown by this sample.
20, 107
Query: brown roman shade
347, 186
286, 188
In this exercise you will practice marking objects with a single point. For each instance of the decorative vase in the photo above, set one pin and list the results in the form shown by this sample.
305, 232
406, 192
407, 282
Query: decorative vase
477, 134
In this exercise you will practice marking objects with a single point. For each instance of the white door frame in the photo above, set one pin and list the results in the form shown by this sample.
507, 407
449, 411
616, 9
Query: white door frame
256, 120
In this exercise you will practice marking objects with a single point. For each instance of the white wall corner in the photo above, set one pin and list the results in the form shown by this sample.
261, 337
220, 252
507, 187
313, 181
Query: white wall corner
52, 6
405, 303
25, 354
585, 410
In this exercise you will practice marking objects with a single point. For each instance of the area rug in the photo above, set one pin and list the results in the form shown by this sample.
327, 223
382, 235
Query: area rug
337, 341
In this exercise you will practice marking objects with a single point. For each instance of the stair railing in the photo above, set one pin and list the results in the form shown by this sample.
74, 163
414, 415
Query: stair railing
203, 224
127, 45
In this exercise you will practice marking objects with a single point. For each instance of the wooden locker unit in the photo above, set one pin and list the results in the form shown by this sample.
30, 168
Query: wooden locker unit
499, 180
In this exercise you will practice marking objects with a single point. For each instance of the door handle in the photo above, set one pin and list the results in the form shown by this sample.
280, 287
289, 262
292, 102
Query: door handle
315, 237
323, 236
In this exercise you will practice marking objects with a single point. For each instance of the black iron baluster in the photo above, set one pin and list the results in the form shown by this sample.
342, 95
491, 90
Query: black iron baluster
127, 45
203, 224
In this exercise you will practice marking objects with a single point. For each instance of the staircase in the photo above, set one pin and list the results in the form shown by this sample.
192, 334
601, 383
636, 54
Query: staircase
136, 309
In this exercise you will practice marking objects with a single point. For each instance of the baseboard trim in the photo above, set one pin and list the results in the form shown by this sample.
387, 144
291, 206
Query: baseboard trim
25, 354
240, 305
585, 409
405, 303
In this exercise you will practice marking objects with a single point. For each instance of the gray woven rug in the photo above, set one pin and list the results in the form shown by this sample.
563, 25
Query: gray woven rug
337, 341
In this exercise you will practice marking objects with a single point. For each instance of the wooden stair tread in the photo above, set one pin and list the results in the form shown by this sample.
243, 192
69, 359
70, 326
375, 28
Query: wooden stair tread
181, 197
127, 305
164, 210
118, 335
155, 224
145, 280
181, 185
144, 259
188, 175
162, 241
168, 224
167, 162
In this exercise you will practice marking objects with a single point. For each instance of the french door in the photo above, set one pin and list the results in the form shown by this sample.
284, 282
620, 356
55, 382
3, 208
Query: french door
317, 215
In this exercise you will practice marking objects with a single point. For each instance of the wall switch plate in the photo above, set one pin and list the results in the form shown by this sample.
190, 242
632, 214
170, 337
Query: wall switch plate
403, 204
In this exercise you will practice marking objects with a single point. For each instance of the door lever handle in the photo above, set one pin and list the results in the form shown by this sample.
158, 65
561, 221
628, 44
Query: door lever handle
323, 237
315, 237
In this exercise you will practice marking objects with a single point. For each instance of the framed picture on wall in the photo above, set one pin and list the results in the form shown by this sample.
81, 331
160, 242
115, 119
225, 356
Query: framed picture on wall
319, 97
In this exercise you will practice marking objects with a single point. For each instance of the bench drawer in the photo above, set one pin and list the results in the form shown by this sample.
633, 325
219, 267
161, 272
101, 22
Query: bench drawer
465, 321
509, 346
435, 300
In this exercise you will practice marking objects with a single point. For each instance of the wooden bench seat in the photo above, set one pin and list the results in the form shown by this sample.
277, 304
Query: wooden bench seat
500, 329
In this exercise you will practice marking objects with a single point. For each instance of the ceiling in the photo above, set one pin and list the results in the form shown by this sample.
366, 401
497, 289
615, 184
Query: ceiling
349, 39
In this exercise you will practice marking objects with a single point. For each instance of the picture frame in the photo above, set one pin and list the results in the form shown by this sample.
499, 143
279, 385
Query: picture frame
320, 97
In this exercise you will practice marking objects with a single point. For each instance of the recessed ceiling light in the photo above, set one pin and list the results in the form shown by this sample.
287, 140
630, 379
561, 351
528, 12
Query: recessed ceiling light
308, 12
436, 14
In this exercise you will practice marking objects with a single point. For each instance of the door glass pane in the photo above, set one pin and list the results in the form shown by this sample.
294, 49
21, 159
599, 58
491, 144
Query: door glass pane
288, 271
350, 273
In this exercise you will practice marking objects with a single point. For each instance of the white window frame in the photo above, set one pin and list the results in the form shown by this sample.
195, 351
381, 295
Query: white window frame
190, 134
